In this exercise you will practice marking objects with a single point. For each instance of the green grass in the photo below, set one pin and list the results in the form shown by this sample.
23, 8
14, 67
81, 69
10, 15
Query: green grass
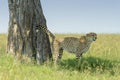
101, 62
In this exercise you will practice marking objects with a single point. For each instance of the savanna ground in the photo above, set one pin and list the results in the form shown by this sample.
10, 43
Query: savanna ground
101, 62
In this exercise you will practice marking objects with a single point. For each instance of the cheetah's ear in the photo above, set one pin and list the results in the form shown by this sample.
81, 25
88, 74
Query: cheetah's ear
91, 34
83, 39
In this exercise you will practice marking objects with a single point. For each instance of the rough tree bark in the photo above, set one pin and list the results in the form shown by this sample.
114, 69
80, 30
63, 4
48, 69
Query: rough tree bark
24, 16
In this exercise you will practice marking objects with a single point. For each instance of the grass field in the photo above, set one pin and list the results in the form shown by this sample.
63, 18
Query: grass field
101, 62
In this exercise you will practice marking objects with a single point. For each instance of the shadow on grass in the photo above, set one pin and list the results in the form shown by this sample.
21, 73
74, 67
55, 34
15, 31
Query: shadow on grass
91, 64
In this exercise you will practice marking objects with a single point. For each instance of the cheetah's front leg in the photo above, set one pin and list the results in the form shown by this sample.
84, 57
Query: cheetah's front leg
78, 55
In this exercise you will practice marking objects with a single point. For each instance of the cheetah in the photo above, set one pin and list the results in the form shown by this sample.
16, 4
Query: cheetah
77, 46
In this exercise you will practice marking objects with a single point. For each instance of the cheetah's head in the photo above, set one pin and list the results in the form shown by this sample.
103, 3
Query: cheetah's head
91, 36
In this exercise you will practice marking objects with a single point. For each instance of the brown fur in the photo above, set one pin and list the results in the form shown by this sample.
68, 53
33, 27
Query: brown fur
83, 39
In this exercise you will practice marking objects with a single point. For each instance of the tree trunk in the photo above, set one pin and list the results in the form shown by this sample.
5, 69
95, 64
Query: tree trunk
24, 16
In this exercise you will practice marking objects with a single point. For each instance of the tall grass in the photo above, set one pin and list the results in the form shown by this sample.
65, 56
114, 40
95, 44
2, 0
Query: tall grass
101, 62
